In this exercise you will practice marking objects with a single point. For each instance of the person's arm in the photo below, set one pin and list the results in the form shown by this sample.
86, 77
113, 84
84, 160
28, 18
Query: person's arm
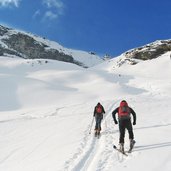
134, 116
114, 115
103, 110
94, 111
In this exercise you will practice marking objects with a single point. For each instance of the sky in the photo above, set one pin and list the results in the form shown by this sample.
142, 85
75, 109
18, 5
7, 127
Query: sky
102, 26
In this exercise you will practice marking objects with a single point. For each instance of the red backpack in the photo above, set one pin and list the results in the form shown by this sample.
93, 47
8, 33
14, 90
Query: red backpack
99, 109
124, 110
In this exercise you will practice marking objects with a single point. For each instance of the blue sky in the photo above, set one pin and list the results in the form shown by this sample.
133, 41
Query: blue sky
102, 26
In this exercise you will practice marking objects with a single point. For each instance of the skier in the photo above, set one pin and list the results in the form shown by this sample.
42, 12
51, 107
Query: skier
124, 119
98, 114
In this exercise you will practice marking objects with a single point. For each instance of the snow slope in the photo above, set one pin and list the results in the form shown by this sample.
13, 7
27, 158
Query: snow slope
89, 59
46, 111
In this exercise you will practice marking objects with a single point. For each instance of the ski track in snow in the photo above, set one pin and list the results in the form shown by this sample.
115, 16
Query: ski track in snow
94, 153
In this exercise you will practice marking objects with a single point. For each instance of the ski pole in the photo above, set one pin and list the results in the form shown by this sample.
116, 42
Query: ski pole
91, 125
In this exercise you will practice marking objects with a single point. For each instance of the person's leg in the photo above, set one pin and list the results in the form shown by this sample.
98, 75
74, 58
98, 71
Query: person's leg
131, 134
130, 130
122, 134
96, 124
99, 125
122, 131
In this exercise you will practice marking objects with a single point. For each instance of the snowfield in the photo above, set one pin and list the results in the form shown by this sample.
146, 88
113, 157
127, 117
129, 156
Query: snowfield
46, 112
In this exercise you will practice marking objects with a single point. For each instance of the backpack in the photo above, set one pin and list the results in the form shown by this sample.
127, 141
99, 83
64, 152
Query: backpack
124, 111
99, 109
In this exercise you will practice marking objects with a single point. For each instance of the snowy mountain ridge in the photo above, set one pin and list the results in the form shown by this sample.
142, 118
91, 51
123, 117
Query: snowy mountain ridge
150, 51
147, 52
26, 45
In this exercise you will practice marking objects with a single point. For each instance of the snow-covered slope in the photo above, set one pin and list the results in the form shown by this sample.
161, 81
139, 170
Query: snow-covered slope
87, 58
46, 111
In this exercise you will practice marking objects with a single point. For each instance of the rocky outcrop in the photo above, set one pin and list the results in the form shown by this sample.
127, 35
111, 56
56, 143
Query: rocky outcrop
25, 46
150, 51
30, 48
3, 30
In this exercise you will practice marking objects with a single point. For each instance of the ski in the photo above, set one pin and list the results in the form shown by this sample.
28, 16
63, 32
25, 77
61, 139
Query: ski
122, 152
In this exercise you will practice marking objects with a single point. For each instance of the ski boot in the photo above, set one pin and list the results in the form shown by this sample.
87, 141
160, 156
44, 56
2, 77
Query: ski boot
98, 133
132, 143
95, 134
121, 148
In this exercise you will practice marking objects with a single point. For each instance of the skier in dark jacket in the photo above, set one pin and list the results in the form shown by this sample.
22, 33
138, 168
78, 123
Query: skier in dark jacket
124, 119
98, 114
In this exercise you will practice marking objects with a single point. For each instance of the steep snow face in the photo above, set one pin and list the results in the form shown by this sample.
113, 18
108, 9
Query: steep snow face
46, 112
87, 58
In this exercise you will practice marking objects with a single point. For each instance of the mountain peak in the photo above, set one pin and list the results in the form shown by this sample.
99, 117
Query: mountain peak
28, 46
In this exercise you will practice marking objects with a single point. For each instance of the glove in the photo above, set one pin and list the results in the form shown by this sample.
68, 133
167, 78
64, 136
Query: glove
116, 122
134, 123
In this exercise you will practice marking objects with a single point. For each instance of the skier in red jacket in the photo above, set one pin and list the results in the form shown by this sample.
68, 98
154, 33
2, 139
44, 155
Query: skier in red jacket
98, 114
124, 119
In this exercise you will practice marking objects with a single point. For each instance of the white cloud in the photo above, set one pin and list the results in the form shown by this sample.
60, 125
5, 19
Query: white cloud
58, 4
7, 3
55, 8
37, 13
50, 15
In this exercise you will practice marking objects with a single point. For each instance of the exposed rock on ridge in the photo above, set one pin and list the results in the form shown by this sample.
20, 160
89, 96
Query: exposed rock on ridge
150, 51
26, 46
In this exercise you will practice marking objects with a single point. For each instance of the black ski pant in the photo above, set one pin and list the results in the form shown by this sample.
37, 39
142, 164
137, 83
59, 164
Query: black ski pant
123, 125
